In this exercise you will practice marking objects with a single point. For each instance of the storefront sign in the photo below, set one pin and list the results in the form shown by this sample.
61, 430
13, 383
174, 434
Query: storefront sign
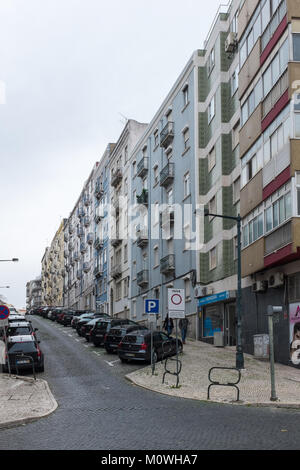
220, 297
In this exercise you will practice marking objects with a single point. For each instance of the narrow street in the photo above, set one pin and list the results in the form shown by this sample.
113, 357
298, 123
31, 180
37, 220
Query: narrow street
99, 409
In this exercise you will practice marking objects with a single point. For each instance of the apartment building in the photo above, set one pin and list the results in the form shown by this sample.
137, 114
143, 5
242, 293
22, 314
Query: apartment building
118, 215
101, 231
269, 52
79, 238
53, 270
34, 293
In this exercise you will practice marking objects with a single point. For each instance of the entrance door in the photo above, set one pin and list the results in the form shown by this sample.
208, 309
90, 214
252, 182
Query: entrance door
230, 325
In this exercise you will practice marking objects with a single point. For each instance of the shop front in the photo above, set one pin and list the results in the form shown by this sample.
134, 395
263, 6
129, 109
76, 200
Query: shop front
217, 314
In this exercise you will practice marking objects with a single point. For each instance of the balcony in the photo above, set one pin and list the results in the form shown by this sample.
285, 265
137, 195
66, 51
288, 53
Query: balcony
72, 260
142, 278
82, 247
86, 221
142, 167
142, 237
116, 241
98, 214
143, 198
86, 200
76, 256
167, 264
90, 238
66, 237
98, 271
79, 274
80, 231
166, 175
70, 245
167, 134
98, 191
66, 253
116, 271
71, 229
98, 244
116, 177
167, 216
86, 267
81, 212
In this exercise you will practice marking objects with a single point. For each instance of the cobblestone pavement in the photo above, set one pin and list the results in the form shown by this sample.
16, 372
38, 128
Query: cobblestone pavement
199, 357
99, 409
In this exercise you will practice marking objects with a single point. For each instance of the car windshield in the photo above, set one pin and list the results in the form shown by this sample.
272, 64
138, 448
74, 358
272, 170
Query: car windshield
25, 347
19, 330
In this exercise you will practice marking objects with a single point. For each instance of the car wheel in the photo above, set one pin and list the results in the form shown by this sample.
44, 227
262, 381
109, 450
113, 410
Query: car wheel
108, 350
154, 356
96, 343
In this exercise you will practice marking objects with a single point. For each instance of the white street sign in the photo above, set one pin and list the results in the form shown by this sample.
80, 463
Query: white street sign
176, 300
176, 314
4, 322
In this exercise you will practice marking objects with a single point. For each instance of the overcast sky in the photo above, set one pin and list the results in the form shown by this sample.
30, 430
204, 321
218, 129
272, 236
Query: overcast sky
70, 70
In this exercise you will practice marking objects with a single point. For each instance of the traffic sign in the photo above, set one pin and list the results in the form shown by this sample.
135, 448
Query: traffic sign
176, 300
152, 306
176, 314
4, 312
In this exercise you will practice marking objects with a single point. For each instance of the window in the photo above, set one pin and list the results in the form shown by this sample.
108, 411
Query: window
212, 207
296, 47
187, 237
125, 253
236, 190
186, 137
211, 159
185, 94
211, 61
156, 140
134, 168
155, 256
213, 258
234, 81
118, 290
186, 184
156, 174
235, 135
211, 109
187, 288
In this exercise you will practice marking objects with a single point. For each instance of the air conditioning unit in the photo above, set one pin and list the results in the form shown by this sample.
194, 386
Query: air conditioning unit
276, 280
231, 42
260, 286
202, 291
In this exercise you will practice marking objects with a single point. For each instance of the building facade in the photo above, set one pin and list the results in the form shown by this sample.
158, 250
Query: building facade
269, 50
34, 293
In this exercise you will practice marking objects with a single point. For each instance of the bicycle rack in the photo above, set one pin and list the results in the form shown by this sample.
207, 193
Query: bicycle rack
228, 384
32, 363
178, 370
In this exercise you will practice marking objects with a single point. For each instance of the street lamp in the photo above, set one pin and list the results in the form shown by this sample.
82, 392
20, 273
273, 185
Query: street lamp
239, 347
13, 259
4, 287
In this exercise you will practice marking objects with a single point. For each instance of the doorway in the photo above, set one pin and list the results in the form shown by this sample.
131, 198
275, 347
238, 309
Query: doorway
230, 325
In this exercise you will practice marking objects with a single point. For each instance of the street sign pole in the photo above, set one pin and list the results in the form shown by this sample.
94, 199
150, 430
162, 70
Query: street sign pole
4, 314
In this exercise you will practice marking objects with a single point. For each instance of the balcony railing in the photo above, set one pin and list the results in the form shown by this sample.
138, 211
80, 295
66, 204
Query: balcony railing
66, 237
81, 212
98, 270
142, 167
70, 245
142, 237
82, 247
76, 256
143, 198
90, 238
116, 271
167, 264
80, 232
116, 177
86, 221
98, 191
166, 175
98, 243
86, 200
142, 277
167, 134
275, 94
79, 274
116, 241
86, 267
167, 216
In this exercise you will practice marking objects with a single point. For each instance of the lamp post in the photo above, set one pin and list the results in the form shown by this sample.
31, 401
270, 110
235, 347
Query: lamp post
239, 347
4, 287
13, 259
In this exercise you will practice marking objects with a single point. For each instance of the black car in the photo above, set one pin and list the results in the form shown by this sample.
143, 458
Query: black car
87, 326
66, 318
102, 327
114, 336
86, 319
136, 346
18, 350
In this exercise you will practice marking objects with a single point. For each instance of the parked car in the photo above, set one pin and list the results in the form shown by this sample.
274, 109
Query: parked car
87, 326
18, 347
83, 321
136, 346
114, 336
66, 318
13, 318
20, 329
77, 318
102, 327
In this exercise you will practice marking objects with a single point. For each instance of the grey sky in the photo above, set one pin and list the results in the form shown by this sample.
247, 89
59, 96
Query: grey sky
71, 69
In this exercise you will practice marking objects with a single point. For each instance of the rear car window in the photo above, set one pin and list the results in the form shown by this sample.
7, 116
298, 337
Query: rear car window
19, 330
133, 339
22, 347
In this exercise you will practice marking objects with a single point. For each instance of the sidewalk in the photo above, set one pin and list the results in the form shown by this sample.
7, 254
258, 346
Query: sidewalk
198, 357
24, 399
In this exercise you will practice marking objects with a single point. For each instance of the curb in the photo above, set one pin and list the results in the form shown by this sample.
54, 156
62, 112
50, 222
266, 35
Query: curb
202, 400
29, 419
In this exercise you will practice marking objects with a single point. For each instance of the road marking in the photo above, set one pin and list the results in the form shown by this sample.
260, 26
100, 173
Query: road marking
111, 363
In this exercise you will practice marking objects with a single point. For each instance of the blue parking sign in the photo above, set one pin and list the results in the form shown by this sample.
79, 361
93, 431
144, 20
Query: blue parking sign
151, 306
